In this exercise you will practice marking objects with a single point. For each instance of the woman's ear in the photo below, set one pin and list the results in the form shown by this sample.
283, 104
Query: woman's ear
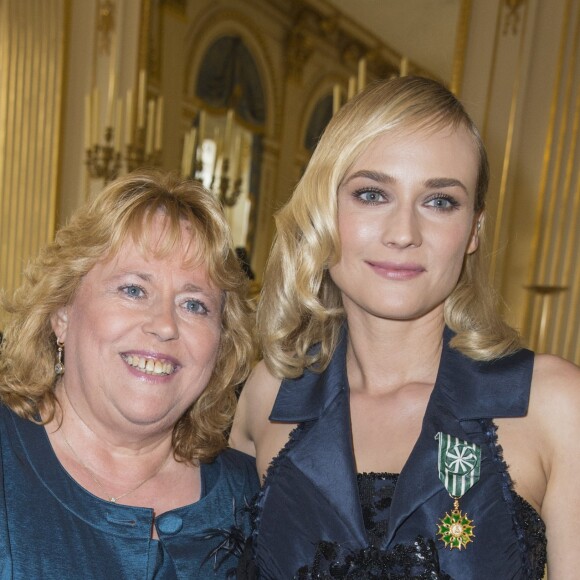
474, 238
59, 323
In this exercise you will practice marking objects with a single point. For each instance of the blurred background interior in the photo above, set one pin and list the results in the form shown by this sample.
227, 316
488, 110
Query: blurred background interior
235, 93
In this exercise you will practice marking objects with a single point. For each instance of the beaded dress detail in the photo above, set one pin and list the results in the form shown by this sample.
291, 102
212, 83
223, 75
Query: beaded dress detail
376, 494
416, 561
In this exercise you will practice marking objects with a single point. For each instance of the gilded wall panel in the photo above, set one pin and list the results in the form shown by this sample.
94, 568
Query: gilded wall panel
551, 317
31, 72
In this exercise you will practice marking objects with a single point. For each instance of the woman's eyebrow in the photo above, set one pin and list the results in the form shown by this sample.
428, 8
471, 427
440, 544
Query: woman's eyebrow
440, 182
378, 176
120, 273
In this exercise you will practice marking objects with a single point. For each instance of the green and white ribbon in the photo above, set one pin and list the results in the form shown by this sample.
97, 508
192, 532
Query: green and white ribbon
459, 464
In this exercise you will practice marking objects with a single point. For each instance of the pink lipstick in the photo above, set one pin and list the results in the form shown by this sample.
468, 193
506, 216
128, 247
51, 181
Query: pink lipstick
397, 271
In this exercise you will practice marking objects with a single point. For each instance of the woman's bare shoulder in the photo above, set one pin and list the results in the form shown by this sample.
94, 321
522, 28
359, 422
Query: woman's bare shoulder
555, 398
261, 381
555, 381
254, 406
555, 413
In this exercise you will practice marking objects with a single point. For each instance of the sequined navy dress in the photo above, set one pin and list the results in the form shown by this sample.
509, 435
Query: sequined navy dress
316, 518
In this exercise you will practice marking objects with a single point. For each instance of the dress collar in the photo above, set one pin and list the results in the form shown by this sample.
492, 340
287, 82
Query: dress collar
471, 389
36, 450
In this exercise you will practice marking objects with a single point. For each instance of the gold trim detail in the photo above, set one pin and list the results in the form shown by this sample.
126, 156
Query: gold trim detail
530, 311
512, 16
106, 22
505, 173
30, 123
461, 39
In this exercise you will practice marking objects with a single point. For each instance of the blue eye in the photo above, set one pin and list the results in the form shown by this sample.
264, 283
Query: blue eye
196, 307
370, 196
443, 202
133, 291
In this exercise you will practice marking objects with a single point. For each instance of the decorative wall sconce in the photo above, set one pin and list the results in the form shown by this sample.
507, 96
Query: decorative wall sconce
226, 159
144, 144
229, 195
104, 161
217, 152
143, 139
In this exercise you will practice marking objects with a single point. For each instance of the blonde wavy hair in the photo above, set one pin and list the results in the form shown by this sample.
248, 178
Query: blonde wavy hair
96, 232
300, 305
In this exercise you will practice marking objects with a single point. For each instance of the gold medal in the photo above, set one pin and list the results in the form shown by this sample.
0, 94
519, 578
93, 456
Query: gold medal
455, 529
459, 464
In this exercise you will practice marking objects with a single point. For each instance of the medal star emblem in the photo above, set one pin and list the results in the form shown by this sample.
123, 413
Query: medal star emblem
455, 530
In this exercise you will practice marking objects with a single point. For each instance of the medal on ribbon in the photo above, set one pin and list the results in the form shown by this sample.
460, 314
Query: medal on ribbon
459, 464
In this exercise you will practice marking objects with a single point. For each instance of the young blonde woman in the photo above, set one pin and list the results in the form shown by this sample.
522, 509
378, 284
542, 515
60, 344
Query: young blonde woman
392, 398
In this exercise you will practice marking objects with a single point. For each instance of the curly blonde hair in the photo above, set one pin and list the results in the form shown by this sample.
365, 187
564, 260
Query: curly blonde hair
300, 305
96, 232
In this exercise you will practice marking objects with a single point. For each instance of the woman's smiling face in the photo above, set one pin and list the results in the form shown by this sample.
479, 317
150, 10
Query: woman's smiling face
141, 336
406, 221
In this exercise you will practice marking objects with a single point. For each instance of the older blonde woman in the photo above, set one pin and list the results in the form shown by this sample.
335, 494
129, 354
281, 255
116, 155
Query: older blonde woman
118, 375
388, 375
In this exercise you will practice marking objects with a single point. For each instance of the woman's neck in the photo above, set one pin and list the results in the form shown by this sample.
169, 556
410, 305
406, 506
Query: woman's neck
106, 446
383, 354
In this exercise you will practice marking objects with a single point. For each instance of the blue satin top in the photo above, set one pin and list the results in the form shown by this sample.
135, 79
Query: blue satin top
309, 521
51, 528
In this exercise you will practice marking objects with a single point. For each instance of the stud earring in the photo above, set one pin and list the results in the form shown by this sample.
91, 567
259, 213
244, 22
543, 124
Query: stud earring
59, 366
478, 226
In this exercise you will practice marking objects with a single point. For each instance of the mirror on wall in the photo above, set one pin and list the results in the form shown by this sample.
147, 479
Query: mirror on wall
249, 87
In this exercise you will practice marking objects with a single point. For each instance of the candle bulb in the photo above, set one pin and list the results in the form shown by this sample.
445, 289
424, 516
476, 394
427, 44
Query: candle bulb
245, 220
129, 120
150, 121
112, 80
184, 163
95, 111
201, 127
241, 158
236, 155
335, 99
88, 135
193, 149
141, 97
362, 74
185, 157
351, 88
159, 124
110, 107
229, 124
218, 149
404, 67
118, 124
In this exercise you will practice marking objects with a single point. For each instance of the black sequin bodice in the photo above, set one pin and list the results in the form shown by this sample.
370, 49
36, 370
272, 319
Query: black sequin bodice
376, 493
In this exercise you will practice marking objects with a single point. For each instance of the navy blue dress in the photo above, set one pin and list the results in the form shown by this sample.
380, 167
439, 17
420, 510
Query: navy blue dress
309, 519
51, 528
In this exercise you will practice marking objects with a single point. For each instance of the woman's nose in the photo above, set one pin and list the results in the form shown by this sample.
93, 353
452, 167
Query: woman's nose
402, 228
161, 320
